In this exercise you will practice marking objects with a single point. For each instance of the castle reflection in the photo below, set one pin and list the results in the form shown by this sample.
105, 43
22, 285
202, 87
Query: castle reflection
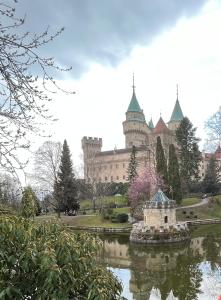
166, 271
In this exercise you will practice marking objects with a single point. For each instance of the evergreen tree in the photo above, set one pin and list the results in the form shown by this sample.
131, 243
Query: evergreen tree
174, 175
67, 184
212, 178
161, 163
189, 154
132, 168
28, 203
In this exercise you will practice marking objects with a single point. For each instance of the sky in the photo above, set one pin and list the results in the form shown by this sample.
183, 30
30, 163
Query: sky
164, 42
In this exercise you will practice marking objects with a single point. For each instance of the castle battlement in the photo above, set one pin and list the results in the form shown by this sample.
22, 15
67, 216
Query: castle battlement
92, 140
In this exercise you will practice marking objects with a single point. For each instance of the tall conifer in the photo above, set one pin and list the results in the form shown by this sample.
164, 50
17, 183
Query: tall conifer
161, 163
189, 154
174, 175
132, 168
211, 180
67, 185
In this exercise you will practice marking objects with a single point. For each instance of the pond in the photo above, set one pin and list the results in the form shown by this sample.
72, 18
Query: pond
186, 271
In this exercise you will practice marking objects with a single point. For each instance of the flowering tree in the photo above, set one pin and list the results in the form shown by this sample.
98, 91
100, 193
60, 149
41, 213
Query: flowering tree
143, 187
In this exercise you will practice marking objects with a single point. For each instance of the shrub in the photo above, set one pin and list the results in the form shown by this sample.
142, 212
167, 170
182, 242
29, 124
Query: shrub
122, 218
49, 262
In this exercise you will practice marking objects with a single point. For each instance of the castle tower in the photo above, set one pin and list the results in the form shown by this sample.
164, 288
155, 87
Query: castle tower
177, 115
135, 127
165, 135
91, 146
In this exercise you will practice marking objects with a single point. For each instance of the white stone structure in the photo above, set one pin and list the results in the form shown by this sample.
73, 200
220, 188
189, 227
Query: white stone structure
159, 223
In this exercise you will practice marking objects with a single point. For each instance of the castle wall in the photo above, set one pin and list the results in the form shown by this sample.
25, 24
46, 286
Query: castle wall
106, 167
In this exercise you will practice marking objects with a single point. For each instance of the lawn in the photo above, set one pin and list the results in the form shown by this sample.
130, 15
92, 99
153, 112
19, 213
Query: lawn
189, 201
210, 211
103, 201
89, 221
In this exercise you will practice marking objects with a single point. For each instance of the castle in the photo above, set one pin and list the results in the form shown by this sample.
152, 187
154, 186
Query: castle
111, 166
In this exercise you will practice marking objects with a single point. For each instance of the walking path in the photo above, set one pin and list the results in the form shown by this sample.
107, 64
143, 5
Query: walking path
203, 202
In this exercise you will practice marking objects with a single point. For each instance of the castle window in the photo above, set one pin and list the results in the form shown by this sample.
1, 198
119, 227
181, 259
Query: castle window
124, 177
105, 178
117, 177
116, 166
166, 219
111, 178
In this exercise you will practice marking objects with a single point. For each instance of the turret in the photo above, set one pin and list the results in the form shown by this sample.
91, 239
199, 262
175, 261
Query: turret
177, 115
135, 127
91, 146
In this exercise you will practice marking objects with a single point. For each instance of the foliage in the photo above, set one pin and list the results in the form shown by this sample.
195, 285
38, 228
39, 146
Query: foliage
25, 82
174, 175
28, 203
189, 154
66, 188
211, 181
49, 262
213, 128
161, 163
142, 187
122, 218
132, 167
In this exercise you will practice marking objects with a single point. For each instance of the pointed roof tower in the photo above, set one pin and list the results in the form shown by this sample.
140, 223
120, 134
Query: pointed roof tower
177, 114
161, 127
151, 124
134, 105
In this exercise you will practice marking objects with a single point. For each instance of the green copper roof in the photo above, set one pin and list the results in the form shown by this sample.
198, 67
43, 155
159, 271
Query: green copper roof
159, 197
151, 124
177, 114
134, 105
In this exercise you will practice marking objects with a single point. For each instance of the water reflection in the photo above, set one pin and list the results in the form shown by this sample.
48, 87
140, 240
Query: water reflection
185, 271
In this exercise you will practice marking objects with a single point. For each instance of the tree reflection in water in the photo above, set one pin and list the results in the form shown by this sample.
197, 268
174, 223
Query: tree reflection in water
164, 270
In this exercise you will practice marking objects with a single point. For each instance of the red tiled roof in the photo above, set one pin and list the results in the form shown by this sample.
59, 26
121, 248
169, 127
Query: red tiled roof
218, 152
161, 127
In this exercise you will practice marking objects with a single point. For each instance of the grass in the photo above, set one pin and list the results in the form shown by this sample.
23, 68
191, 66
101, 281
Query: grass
210, 211
89, 221
203, 230
190, 201
103, 201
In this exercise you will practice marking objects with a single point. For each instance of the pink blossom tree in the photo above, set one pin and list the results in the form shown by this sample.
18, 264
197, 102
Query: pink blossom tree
143, 187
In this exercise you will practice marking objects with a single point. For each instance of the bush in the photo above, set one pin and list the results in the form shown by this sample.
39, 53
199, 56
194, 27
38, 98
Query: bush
122, 218
49, 262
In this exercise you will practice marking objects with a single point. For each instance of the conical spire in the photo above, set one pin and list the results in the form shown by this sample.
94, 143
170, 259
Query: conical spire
161, 127
177, 114
134, 105
151, 124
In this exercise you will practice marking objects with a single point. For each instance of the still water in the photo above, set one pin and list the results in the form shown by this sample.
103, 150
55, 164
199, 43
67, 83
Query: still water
186, 271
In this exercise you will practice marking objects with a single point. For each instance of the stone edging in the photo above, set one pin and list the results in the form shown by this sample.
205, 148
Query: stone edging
102, 229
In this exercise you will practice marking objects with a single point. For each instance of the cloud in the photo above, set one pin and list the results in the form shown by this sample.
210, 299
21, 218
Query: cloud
102, 31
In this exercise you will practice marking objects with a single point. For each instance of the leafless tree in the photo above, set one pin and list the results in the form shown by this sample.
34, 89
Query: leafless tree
213, 128
25, 85
46, 164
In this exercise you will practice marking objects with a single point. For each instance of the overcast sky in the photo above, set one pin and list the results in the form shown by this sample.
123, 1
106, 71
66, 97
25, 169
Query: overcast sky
164, 42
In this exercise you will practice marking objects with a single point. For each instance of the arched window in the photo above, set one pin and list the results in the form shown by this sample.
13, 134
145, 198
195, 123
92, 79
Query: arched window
166, 219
